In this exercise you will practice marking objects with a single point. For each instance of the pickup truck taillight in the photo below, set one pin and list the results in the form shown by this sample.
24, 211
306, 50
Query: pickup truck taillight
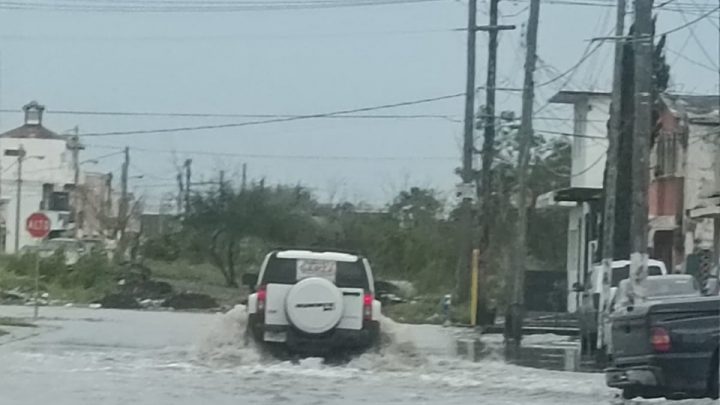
660, 339
261, 299
367, 306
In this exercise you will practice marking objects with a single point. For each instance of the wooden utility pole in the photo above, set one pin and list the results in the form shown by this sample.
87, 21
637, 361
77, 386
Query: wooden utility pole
526, 134
643, 49
488, 150
462, 272
187, 165
611, 172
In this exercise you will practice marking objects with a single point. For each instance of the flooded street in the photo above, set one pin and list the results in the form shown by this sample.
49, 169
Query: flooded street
85, 356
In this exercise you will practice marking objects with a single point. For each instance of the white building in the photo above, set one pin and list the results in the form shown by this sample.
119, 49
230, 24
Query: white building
583, 197
43, 162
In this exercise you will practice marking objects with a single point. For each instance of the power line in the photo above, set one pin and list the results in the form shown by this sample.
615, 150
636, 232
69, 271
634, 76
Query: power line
196, 6
699, 43
232, 115
693, 61
272, 120
689, 23
131, 114
244, 37
280, 156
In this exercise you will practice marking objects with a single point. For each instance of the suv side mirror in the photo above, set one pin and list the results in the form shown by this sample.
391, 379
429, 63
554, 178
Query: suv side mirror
250, 280
577, 287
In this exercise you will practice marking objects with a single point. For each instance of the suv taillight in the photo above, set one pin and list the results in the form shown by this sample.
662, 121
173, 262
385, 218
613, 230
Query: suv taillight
367, 306
261, 299
660, 339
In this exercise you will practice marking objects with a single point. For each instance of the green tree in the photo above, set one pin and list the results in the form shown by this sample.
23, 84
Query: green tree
222, 224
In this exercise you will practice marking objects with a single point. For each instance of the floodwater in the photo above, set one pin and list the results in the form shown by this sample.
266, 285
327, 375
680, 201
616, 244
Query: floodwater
90, 357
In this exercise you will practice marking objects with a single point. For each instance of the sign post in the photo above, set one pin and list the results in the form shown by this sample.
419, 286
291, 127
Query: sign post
38, 226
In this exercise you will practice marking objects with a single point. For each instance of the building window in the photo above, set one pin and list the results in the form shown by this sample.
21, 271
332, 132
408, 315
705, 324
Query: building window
667, 152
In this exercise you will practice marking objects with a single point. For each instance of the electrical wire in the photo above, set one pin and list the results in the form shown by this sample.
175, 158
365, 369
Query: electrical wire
699, 43
231, 115
271, 120
279, 156
195, 6
689, 23
694, 62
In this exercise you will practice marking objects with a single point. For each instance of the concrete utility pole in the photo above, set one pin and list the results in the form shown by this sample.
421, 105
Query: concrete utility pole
18, 203
611, 172
526, 135
643, 48
462, 273
188, 163
75, 148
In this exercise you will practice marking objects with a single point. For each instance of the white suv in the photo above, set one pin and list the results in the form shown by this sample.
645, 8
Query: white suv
313, 302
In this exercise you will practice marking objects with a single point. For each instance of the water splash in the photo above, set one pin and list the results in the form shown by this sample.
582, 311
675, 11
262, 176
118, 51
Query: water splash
225, 344
397, 351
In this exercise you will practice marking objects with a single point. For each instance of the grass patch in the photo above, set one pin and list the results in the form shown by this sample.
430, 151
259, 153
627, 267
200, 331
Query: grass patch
182, 270
426, 310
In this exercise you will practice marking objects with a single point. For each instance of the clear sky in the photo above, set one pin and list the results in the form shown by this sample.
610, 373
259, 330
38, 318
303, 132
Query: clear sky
305, 62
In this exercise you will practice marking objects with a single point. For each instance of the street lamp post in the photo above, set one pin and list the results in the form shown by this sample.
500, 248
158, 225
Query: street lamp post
21, 156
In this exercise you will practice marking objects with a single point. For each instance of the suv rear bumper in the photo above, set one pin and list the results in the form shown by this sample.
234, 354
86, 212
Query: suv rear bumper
332, 341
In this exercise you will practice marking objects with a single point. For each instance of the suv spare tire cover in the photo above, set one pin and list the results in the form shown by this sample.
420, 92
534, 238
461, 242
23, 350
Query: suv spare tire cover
314, 305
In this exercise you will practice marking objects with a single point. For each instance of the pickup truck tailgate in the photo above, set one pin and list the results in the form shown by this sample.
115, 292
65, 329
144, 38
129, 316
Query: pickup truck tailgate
631, 334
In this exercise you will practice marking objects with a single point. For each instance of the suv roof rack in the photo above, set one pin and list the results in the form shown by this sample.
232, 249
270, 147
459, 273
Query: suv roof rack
319, 249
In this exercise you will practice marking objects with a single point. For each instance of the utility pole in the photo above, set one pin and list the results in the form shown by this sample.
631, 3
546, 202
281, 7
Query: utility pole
462, 273
516, 311
643, 49
611, 172
20, 158
244, 177
75, 148
178, 200
123, 206
188, 163
488, 150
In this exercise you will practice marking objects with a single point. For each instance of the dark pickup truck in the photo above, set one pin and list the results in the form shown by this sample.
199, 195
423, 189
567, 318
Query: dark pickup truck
667, 348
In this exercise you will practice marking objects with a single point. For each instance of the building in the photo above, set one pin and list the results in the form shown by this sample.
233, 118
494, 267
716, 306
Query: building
683, 195
684, 180
583, 198
37, 169
95, 205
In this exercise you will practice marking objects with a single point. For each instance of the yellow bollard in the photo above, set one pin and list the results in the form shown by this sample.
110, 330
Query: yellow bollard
474, 287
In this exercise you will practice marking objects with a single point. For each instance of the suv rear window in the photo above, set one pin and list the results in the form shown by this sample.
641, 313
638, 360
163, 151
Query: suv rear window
621, 273
284, 271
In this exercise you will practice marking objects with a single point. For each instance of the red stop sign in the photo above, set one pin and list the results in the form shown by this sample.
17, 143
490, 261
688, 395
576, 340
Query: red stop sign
38, 225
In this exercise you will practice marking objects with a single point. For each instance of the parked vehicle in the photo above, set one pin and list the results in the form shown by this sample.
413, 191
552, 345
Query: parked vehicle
658, 288
595, 300
72, 249
666, 348
313, 302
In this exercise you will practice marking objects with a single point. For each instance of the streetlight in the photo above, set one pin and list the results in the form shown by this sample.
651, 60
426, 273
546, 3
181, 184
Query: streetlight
21, 157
